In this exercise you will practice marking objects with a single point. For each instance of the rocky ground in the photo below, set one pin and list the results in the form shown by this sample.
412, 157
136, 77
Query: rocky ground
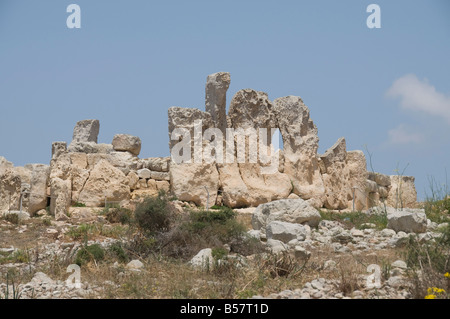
38, 251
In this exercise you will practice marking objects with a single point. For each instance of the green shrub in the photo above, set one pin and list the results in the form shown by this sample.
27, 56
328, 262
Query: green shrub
432, 258
118, 252
12, 218
153, 215
119, 215
78, 204
89, 253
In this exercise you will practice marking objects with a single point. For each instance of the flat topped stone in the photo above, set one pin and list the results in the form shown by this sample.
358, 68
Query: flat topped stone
127, 143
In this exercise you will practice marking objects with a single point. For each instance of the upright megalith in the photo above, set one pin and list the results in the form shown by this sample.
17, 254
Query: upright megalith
217, 85
10, 189
252, 112
336, 176
38, 190
191, 179
301, 142
357, 165
86, 131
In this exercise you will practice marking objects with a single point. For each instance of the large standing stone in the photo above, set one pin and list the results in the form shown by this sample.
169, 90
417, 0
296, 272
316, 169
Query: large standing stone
127, 143
86, 131
10, 187
252, 110
105, 181
409, 221
336, 176
356, 162
403, 192
301, 142
38, 190
61, 197
217, 85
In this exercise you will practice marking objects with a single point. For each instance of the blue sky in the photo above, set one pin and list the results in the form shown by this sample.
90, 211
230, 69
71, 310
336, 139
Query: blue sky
386, 88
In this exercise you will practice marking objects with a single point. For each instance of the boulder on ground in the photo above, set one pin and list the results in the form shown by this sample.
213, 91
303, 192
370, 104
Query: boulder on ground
408, 221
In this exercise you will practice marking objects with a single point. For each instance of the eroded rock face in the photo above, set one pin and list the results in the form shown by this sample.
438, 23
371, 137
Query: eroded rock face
39, 180
107, 181
247, 183
402, 192
356, 162
127, 143
336, 176
295, 211
61, 197
217, 85
408, 221
10, 187
86, 131
185, 118
188, 182
301, 142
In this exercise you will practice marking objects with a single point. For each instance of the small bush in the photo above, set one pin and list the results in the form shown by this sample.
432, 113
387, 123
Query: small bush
119, 215
12, 218
78, 204
429, 262
89, 253
153, 215
117, 251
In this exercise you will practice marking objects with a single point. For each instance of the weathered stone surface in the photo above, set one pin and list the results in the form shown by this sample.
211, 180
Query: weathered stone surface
157, 164
188, 182
235, 191
301, 142
184, 118
250, 109
144, 173
160, 176
285, 232
21, 215
402, 192
356, 162
336, 176
203, 260
10, 187
217, 85
408, 221
89, 148
134, 265
127, 143
277, 246
38, 189
288, 210
58, 148
86, 131
107, 181
380, 179
4, 164
132, 180
60, 191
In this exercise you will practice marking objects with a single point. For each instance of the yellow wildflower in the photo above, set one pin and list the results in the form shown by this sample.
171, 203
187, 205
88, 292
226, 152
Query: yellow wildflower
447, 275
430, 297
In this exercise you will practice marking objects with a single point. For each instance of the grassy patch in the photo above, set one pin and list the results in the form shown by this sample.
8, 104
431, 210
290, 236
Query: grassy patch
356, 219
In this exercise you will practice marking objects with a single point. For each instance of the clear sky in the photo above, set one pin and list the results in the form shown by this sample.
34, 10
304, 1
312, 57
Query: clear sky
386, 88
